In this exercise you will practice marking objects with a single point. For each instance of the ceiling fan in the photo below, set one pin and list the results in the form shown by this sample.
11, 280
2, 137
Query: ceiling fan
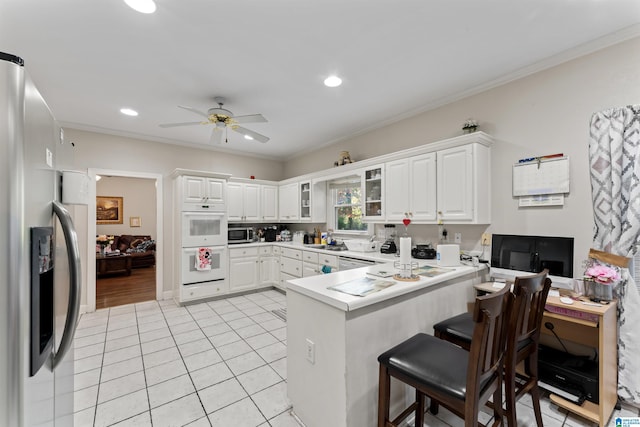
223, 119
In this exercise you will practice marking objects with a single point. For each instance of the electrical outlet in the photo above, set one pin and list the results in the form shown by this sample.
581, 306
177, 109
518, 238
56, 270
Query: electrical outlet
486, 239
457, 238
311, 351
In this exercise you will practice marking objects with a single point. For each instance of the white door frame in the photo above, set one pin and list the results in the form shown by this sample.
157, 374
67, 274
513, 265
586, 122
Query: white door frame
91, 231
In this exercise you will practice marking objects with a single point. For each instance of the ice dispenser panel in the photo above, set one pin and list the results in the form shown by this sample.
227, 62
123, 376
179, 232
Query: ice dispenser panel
42, 325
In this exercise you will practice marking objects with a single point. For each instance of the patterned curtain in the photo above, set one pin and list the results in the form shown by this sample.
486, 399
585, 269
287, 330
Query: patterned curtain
614, 155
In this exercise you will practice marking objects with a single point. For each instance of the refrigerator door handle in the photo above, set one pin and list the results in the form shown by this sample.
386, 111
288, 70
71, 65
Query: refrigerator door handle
75, 284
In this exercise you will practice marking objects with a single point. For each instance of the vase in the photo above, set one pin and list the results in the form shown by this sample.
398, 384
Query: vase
598, 291
102, 250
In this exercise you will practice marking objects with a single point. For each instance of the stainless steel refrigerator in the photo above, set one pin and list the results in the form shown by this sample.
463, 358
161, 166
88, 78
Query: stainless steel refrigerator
39, 259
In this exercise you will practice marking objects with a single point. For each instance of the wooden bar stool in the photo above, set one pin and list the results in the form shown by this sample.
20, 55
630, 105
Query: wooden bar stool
460, 380
523, 337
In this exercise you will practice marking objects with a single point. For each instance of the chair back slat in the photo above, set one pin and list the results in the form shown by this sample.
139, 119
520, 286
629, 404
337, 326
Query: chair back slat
489, 336
528, 308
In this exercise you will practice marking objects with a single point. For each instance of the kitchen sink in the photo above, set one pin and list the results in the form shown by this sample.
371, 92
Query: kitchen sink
336, 248
327, 247
314, 246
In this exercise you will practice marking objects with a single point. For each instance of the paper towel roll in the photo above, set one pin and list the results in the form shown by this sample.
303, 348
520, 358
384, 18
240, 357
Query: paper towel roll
405, 250
448, 255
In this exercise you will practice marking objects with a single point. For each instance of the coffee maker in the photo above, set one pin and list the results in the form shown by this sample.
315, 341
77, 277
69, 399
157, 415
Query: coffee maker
389, 245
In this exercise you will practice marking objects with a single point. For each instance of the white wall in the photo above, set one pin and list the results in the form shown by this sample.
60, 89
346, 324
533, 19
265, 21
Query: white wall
544, 113
139, 200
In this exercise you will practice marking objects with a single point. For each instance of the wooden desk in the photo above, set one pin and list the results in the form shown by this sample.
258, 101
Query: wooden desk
600, 333
113, 264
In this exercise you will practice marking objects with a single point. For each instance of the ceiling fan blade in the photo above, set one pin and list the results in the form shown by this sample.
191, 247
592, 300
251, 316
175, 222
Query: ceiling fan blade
216, 136
193, 110
252, 134
171, 125
250, 118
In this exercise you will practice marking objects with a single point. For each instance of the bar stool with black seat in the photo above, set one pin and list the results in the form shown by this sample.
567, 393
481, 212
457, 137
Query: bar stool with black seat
522, 341
460, 380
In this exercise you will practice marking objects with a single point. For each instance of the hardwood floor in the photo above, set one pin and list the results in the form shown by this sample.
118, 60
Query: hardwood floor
121, 289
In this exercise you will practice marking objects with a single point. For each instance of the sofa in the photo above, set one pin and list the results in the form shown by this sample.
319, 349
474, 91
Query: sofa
141, 248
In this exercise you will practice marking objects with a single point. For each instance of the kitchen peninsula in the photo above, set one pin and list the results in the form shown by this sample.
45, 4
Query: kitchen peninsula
334, 339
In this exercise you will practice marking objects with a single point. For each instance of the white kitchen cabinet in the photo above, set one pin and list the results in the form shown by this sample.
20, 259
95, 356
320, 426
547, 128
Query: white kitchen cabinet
243, 201
303, 201
396, 192
243, 269
313, 262
290, 265
464, 190
269, 202
318, 208
411, 188
269, 270
288, 202
269, 273
372, 192
201, 190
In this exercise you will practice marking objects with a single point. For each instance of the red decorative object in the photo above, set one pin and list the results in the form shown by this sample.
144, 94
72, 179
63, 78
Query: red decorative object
406, 222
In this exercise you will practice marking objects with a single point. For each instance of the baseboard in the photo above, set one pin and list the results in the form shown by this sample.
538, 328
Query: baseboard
167, 295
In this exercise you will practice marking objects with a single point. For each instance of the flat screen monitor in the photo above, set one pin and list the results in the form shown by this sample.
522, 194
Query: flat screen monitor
533, 254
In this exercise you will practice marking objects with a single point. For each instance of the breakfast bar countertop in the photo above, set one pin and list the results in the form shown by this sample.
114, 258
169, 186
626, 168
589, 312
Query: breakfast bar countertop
317, 287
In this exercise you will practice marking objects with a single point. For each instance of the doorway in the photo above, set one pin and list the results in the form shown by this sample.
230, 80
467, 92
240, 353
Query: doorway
135, 219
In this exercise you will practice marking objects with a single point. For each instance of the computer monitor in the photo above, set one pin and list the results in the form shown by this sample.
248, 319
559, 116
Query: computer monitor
533, 254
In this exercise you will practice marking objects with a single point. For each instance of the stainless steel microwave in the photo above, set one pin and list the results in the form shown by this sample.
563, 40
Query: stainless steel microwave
240, 235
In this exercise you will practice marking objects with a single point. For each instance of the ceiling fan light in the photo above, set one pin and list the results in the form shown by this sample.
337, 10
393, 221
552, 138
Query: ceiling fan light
129, 112
249, 137
142, 6
332, 81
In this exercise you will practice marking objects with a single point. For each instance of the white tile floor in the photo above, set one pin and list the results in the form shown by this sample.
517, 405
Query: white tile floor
221, 363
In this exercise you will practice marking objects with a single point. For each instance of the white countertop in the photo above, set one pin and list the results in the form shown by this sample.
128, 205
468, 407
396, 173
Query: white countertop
369, 256
317, 286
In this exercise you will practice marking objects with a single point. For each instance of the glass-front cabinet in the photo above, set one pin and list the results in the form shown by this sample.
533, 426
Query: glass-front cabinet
372, 185
305, 200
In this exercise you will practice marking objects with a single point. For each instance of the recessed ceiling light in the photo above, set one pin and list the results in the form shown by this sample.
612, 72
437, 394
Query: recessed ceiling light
142, 6
129, 112
332, 81
249, 137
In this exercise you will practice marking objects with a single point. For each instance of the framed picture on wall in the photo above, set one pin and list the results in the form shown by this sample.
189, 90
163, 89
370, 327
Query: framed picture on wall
134, 221
108, 210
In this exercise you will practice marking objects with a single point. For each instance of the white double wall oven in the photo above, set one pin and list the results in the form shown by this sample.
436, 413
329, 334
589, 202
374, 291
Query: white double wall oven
203, 230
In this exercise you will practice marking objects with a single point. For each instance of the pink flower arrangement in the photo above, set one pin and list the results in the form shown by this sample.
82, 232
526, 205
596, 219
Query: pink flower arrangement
602, 274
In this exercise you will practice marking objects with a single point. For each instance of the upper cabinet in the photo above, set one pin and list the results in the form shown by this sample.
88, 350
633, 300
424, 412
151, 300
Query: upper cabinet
464, 184
410, 188
243, 201
201, 192
303, 201
252, 200
372, 190
269, 202
288, 202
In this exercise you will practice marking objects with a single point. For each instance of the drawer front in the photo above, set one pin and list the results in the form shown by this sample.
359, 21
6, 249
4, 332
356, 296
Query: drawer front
283, 280
265, 250
310, 269
291, 266
308, 256
330, 260
243, 252
203, 290
277, 250
291, 253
